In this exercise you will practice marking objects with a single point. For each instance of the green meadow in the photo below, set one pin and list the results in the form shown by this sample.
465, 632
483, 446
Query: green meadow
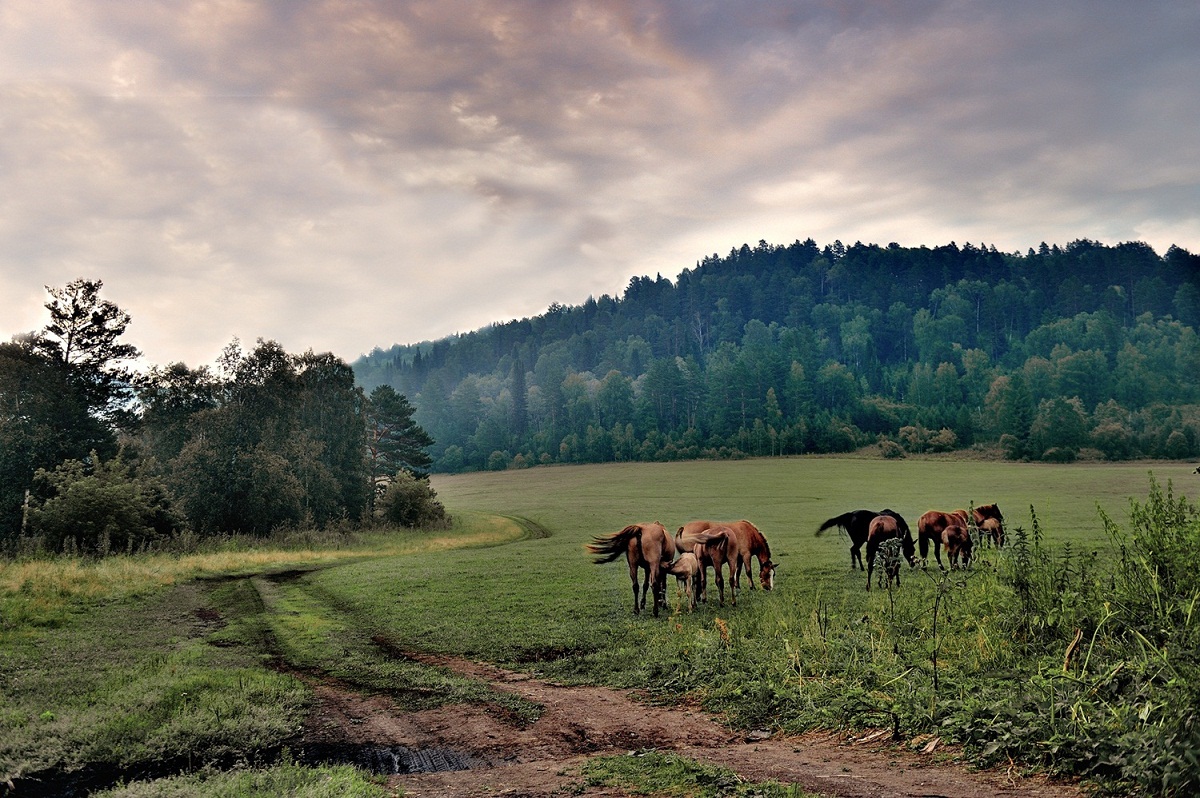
95, 672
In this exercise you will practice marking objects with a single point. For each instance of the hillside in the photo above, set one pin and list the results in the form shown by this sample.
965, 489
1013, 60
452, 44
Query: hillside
777, 350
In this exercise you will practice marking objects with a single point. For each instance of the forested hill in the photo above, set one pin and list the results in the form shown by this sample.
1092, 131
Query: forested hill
1084, 350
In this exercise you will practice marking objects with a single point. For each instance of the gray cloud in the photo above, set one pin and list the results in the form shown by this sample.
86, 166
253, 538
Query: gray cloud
351, 173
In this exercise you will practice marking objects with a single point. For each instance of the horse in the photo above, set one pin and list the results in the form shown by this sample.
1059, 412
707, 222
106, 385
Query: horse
995, 531
686, 571
856, 524
930, 526
958, 543
991, 530
750, 543
716, 547
647, 547
885, 526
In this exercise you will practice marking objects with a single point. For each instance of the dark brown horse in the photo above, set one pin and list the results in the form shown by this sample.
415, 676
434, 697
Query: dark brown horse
647, 547
930, 527
883, 527
751, 543
958, 545
856, 524
994, 530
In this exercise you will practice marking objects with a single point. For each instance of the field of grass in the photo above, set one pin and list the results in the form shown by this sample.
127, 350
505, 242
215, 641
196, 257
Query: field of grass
511, 583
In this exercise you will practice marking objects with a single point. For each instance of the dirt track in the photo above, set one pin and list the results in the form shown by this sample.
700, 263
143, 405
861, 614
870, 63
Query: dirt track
543, 759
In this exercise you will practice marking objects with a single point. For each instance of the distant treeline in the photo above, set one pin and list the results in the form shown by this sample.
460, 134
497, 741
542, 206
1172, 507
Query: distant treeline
775, 350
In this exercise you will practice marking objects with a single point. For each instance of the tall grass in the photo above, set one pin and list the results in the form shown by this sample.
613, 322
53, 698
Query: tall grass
129, 661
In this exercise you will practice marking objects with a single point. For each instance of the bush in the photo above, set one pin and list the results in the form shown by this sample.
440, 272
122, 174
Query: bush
1059, 454
411, 502
102, 509
891, 450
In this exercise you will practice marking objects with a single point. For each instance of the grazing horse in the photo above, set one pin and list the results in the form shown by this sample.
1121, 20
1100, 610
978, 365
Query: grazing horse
885, 526
647, 547
717, 547
958, 543
751, 543
856, 524
755, 545
686, 571
994, 530
930, 527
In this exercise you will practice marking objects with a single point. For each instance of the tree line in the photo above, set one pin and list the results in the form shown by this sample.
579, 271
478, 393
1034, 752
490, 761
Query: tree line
1060, 352
96, 457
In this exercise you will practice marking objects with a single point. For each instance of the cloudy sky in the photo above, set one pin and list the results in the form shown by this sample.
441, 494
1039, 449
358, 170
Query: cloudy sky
345, 174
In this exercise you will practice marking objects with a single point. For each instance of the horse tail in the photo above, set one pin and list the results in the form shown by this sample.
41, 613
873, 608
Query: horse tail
610, 547
842, 520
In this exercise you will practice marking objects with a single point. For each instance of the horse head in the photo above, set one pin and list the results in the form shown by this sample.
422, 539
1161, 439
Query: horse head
766, 576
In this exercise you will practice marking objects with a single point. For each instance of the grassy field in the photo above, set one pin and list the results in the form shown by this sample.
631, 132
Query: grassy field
95, 671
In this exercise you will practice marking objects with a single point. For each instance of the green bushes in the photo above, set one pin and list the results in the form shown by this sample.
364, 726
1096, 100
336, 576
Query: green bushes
411, 502
102, 509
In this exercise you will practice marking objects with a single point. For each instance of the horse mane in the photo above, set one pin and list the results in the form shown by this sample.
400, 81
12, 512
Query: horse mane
610, 547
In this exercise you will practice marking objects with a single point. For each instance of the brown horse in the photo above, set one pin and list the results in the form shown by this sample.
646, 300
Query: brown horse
647, 547
930, 527
716, 547
755, 545
994, 530
883, 527
856, 524
958, 544
751, 543
991, 530
686, 571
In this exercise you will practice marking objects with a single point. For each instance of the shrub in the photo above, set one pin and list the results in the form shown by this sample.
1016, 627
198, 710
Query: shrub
102, 508
1059, 454
411, 502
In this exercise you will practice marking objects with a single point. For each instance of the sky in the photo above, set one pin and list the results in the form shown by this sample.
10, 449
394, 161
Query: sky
342, 175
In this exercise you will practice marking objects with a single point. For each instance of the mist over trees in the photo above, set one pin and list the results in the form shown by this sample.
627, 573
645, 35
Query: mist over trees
95, 458
1087, 350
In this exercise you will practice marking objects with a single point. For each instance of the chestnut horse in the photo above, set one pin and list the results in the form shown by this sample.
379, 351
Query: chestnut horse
751, 543
930, 527
888, 525
958, 544
994, 530
717, 546
856, 524
645, 546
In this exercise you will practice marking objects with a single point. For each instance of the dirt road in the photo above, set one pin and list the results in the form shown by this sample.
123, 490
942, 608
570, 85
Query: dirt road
499, 757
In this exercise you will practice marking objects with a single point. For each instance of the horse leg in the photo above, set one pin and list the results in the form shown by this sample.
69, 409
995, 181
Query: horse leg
734, 582
856, 554
871, 549
633, 577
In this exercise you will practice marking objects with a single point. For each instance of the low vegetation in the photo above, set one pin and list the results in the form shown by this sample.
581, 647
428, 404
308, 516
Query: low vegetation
661, 773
